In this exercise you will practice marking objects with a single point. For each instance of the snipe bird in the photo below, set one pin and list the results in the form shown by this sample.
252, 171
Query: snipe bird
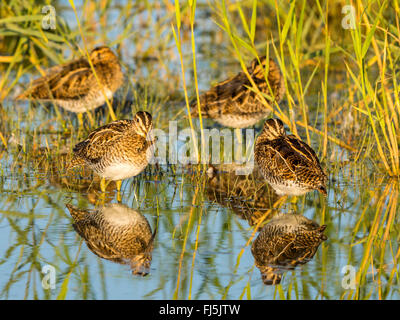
286, 241
74, 86
117, 233
288, 164
118, 150
233, 103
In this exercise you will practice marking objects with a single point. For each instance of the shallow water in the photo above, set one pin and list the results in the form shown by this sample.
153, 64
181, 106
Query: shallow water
205, 225
202, 248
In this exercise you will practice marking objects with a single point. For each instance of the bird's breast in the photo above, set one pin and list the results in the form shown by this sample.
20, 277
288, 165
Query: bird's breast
122, 170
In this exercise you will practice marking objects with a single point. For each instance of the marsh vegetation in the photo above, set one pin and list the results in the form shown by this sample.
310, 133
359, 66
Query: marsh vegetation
341, 73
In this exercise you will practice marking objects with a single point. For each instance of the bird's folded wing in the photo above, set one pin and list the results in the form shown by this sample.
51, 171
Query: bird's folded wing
220, 98
101, 140
58, 79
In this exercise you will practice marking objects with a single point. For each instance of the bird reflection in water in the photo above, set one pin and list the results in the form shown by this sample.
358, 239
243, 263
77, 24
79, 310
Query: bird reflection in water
117, 233
283, 243
247, 195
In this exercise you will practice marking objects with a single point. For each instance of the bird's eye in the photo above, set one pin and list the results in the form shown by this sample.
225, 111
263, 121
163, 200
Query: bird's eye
137, 120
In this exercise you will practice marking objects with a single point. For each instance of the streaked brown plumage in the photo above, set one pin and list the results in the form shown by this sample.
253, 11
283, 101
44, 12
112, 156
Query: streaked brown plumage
74, 86
118, 150
233, 104
286, 241
288, 164
116, 233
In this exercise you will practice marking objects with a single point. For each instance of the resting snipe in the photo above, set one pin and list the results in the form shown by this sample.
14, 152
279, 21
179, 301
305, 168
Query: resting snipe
118, 150
288, 164
286, 241
74, 86
232, 103
117, 233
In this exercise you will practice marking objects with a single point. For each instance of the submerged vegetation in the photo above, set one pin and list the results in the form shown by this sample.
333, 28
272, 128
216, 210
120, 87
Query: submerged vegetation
340, 61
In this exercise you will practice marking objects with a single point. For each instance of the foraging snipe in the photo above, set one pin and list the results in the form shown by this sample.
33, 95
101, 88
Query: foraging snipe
233, 103
286, 241
288, 164
117, 233
118, 150
74, 86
